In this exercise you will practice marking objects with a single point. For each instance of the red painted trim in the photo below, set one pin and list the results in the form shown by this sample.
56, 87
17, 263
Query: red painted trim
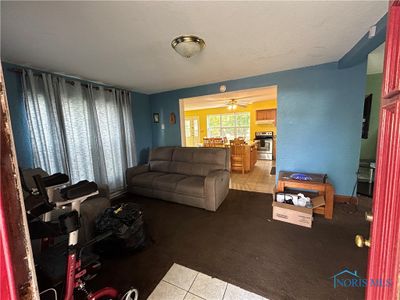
7, 284
14, 232
391, 82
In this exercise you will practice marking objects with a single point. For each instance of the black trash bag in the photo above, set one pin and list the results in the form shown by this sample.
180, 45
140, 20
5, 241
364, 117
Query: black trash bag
126, 223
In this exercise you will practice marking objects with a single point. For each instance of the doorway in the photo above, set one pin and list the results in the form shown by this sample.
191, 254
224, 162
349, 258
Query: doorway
369, 136
230, 119
192, 131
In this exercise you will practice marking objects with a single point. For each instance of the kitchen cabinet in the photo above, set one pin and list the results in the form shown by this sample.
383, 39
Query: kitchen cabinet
266, 115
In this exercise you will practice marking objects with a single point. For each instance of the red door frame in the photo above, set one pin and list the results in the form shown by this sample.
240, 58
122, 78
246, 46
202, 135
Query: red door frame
17, 274
384, 254
7, 283
18, 278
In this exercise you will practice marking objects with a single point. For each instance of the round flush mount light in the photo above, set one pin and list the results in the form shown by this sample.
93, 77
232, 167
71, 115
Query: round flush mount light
188, 45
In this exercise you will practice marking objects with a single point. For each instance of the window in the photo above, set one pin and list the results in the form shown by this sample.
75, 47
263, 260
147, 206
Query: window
83, 131
229, 125
192, 131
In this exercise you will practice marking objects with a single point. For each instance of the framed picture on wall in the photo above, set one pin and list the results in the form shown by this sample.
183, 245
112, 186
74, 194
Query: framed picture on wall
156, 118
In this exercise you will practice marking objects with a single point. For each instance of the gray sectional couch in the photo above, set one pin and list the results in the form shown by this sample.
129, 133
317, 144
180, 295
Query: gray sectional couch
193, 176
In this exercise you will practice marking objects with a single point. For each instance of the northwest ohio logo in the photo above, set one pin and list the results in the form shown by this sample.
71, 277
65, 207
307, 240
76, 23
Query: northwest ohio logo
346, 278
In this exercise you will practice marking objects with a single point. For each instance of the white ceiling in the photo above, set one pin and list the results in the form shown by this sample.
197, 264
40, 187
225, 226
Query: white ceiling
243, 97
128, 43
375, 60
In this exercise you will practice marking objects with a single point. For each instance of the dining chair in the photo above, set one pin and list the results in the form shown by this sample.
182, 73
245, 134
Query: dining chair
237, 156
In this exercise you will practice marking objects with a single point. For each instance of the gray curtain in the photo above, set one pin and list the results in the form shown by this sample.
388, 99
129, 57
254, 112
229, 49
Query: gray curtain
79, 129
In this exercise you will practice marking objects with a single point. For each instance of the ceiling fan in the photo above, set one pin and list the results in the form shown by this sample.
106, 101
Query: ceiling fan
233, 104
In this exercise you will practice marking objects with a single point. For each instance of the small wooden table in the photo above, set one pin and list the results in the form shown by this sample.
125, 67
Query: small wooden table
323, 189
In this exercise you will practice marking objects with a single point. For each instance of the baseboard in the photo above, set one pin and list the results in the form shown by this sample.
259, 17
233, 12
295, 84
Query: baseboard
346, 199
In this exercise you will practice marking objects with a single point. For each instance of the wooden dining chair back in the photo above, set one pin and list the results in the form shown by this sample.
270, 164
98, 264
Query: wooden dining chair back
237, 141
208, 142
213, 142
237, 157
218, 142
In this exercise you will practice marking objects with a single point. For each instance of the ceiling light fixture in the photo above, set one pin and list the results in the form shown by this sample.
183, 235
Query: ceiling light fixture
232, 104
188, 45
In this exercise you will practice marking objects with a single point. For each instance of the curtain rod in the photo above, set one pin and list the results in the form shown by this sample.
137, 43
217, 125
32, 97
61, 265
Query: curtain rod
70, 81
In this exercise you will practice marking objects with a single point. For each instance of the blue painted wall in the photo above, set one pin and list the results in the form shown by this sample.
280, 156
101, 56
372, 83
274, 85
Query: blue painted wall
140, 110
19, 120
142, 122
319, 118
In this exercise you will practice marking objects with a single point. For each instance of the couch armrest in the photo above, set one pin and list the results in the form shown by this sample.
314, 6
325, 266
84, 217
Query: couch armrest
131, 172
104, 191
91, 209
216, 188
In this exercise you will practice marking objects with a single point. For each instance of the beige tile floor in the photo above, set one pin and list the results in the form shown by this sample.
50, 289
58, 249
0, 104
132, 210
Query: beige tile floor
181, 283
258, 180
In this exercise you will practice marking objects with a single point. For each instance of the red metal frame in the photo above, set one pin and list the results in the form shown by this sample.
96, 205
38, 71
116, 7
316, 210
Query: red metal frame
384, 254
70, 280
74, 275
104, 292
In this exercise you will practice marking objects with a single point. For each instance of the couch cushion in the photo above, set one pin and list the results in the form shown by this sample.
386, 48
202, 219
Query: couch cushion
192, 185
214, 156
182, 159
198, 161
159, 166
145, 179
189, 160
167, 182
209, 160
160, 159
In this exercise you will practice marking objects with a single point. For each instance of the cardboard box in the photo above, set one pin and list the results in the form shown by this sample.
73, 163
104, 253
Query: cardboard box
297, 215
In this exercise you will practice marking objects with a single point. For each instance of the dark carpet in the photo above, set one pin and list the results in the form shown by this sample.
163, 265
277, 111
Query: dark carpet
240, 244
273, 171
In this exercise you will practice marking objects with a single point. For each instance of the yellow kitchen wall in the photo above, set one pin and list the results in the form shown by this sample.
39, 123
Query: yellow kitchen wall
202, 115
